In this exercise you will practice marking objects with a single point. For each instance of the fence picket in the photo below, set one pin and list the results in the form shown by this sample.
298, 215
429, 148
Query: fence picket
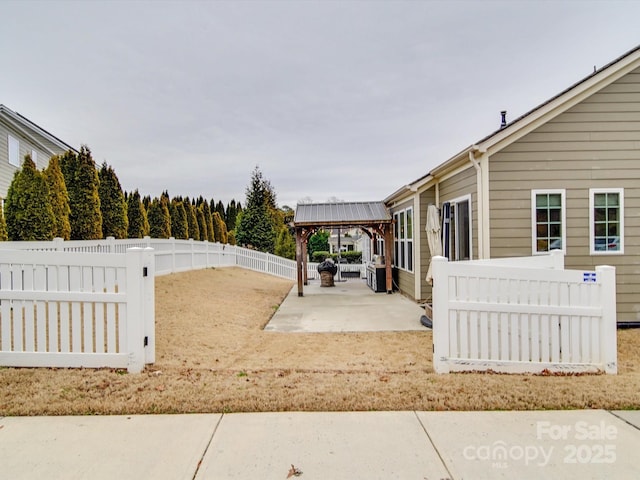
87, 311
65, 309
28, 310
40, 284
17, 310
52, 310
110, 312
99, 310
75, 285
5, 309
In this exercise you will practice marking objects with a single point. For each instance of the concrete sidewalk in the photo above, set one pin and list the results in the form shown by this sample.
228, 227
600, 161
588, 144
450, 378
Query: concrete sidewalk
349, 306
576, 444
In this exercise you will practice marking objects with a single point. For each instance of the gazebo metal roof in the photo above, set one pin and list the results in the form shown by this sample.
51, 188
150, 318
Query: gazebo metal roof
344, 213
372, 217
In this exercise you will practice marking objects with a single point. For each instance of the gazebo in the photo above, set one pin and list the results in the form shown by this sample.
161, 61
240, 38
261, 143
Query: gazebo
373, 218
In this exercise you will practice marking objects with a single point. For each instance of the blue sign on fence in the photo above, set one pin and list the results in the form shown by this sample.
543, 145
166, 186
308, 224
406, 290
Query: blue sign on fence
589, 277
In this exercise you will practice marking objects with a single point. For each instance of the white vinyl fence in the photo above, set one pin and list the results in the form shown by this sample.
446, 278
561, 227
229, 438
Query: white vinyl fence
523, 315
76, 309
91, 303
172, 255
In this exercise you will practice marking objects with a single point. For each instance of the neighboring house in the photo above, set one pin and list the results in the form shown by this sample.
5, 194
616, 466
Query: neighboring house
19, 136
350, 240
565, 175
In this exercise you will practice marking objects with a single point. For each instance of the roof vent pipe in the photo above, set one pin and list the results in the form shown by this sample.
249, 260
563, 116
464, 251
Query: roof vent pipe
503, 122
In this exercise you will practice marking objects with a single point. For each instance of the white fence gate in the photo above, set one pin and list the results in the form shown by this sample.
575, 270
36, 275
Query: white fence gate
77, 309
523, 315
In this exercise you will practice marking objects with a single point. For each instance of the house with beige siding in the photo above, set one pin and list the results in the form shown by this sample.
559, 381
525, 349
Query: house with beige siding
565, 175
19, 137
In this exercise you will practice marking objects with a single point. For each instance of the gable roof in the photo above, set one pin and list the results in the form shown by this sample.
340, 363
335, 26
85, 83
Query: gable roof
534, 118
39, 135
344, 213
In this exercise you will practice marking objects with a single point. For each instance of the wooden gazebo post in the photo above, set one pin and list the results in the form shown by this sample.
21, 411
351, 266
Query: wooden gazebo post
302, 236
299, 257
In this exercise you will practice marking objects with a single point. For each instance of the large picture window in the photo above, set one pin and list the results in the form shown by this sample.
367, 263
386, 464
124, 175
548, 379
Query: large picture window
403, 239
606, 220
548, 216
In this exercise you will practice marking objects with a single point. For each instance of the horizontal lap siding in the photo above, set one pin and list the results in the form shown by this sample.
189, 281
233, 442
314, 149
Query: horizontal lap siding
426, 198
595, 144
7, 170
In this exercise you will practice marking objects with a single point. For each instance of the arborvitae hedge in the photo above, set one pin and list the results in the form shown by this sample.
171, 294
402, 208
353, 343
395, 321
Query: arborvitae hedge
159, 219
179, 225
58, 199
137, 216
218, 226
231, 238
285, 244
3, 226
192, 220
211, 236
28, 213
202, 223
230, 215
220, 209
112, 204
81, 178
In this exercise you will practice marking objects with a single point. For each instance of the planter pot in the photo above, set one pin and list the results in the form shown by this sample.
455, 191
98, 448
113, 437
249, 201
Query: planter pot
326, 279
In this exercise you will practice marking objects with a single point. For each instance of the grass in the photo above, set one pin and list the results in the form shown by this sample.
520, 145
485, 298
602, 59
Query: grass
213, 356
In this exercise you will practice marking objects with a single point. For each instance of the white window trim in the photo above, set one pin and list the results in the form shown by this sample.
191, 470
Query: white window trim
403, 242
534, 234
13, 142
592, 192
464, 198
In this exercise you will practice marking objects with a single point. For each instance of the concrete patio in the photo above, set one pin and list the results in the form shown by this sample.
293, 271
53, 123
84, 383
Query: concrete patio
349, 306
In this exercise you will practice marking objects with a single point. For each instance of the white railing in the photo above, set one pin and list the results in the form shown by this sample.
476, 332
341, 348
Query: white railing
77, 309
523, 315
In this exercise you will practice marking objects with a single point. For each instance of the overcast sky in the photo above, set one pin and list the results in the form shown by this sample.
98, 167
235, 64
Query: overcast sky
349, 100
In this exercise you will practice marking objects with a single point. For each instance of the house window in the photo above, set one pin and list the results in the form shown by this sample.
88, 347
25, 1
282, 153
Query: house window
606, 220
456, 229
548, 216
403, 239
34, 157
14, 151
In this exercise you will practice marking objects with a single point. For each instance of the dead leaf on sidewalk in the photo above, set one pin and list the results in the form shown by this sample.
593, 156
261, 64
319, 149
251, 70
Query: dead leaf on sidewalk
294, 472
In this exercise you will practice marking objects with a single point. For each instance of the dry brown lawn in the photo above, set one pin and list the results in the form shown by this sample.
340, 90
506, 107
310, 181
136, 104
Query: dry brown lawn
213, 356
